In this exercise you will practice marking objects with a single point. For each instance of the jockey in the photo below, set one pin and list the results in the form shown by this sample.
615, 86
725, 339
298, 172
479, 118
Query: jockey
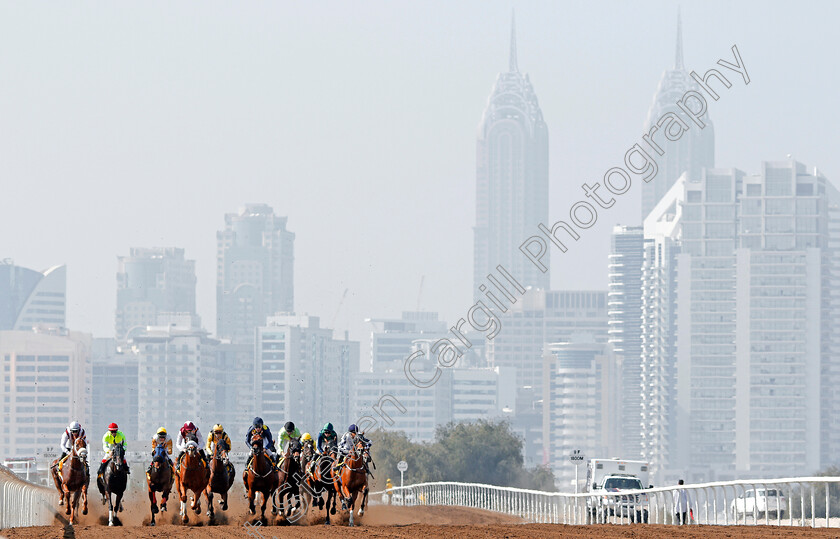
326, 436
113, 437
306, 439
73, 432
348, 441
268, 441
290, 432
189, 432
161, 438
219, 433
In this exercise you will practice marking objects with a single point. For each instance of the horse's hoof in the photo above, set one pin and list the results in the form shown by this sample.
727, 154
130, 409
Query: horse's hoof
152, 523
251, 512
84, 511
154, 509
185, 519
110, 523
224, 507
61, 501
67, 511
361, 512
332, 511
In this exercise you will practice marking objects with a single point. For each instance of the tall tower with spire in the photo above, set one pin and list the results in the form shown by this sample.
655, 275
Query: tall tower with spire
511, 177
696, 148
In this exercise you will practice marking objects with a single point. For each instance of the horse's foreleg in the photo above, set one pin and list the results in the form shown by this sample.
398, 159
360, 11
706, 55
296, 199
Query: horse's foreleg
84, 499
209, 493
249, 492
182, 496
110, 508
224, 501
66, 496
364, 502
262, 507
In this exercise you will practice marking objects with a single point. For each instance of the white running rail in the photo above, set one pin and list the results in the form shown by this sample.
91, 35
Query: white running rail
23, 503
797, 501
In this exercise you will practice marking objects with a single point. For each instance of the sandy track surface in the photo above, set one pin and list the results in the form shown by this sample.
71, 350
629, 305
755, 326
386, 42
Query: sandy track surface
378, 522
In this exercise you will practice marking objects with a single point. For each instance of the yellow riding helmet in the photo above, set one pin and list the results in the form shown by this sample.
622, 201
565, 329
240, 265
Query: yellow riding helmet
306, 437
218, 428
161, 431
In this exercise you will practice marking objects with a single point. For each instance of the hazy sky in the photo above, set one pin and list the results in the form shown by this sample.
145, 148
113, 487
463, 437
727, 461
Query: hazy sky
143, 124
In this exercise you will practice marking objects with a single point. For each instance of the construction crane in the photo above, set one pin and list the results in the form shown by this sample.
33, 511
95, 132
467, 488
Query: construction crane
338, 310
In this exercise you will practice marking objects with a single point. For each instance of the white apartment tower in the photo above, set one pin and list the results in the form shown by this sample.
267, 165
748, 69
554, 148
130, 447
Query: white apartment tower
739, 351
624, 305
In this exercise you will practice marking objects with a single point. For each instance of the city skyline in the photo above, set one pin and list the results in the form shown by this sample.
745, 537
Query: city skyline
577, 132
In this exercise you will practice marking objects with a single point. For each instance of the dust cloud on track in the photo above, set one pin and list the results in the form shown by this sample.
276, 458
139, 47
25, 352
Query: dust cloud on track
378, 521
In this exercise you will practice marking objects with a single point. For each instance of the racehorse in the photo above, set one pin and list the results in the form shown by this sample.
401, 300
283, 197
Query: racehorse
260, 476
113, 481
159, 478
289, 475
73, 478
322, 478
353, 479
191, 474
221, 477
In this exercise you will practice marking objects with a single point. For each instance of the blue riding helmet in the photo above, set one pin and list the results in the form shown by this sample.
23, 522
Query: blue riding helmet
352, 428
258, 422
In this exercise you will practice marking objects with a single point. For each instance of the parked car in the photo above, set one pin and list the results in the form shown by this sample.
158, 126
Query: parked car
760, 501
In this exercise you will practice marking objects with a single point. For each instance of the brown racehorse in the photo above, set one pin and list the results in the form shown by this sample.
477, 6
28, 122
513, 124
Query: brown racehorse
221, 477
289, 475
191, 474
73, 479
159, 478
353, 479
260, 476
322, 478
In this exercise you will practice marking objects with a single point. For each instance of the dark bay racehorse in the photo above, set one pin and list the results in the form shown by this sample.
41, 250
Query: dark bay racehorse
191, 474
73, 479
114, 480
221, 476
159, 478
353, 479
322, 478
289, 475
260, 476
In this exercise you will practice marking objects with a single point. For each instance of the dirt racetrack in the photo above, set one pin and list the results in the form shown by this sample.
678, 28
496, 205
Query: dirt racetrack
378, 522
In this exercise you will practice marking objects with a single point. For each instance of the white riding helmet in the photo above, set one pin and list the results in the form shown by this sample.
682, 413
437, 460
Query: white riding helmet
74, 426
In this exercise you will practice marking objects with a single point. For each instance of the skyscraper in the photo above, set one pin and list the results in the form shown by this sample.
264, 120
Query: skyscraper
624, 308
255, 271
152, 283
739, 355
29, 298
47, 385
511, 178
693, 151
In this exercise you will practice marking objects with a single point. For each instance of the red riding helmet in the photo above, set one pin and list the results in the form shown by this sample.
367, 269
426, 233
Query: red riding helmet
189, 425
113, 426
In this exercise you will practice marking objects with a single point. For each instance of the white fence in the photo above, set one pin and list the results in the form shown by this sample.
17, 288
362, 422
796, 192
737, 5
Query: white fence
23, 503
798, 501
